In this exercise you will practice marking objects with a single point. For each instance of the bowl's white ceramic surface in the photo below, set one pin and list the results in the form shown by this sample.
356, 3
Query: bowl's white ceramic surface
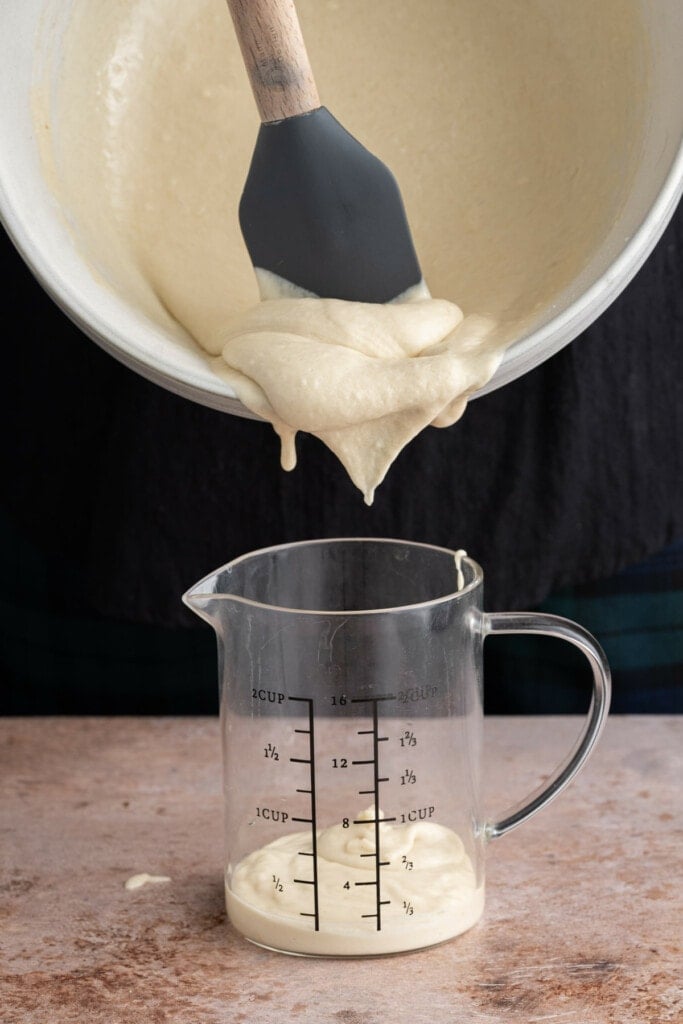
31, 215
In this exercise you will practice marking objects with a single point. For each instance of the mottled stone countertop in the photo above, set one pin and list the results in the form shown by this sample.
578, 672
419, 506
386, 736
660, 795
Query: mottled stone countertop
583, 920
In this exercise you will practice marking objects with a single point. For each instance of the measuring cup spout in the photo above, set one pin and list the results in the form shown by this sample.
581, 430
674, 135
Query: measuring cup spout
206, 600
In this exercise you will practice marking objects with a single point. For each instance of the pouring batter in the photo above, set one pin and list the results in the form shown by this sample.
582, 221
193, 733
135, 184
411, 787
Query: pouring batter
363, 378
156, 128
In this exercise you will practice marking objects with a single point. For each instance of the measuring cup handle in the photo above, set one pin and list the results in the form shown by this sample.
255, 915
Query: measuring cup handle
564, 629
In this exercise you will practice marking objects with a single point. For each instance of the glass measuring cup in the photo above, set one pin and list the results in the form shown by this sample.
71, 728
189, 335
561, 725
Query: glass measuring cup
351, 717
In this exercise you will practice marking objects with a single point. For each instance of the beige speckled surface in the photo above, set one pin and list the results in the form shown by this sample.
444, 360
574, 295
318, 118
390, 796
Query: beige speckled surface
583, 921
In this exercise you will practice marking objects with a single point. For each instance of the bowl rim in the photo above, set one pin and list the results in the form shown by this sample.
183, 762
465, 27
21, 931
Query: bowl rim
88, 314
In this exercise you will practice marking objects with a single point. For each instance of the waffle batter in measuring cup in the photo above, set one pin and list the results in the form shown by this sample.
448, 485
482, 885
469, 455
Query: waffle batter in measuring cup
428, 890
352, 719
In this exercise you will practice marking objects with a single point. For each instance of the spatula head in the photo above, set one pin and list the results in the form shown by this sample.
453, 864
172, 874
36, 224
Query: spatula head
325, 214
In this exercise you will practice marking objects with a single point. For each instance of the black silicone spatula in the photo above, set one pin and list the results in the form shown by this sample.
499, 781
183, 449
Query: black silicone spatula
317, 209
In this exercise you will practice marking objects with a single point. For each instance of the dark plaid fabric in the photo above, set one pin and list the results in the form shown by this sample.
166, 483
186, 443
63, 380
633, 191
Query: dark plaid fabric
637, 616
572, 472
117, 495
57, 657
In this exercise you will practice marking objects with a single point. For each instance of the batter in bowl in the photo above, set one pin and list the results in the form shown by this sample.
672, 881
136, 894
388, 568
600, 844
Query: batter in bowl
505, 124
363, 378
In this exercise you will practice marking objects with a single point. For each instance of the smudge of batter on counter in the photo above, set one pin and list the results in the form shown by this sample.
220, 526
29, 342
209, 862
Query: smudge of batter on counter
137, 881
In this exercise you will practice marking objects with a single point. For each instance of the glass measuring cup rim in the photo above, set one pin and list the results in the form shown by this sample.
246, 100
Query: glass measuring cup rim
197, 593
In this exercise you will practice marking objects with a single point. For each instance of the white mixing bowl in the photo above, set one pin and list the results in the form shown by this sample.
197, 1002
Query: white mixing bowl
30, 29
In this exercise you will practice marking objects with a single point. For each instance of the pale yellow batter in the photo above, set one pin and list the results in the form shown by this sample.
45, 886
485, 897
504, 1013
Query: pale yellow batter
137, 881
365, 379
505, 123
428, 888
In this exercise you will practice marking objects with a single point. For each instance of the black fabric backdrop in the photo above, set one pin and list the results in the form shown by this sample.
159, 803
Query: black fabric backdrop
562, 477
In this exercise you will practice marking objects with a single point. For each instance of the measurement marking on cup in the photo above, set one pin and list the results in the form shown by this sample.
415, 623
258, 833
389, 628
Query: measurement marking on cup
366, 821
310, 760
377, 779
380, 903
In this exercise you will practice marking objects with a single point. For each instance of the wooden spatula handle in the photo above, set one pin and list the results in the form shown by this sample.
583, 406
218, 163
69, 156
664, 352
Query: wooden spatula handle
275, 57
